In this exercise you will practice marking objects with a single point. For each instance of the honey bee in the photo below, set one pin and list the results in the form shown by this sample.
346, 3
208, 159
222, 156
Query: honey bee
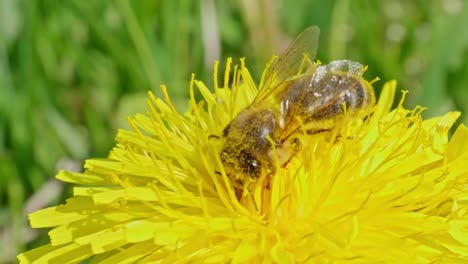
295, 93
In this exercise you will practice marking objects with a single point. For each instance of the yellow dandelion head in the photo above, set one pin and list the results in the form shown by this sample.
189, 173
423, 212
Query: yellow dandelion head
388, 188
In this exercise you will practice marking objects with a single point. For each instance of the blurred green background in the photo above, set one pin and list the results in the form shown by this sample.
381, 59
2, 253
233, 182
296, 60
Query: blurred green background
72, 71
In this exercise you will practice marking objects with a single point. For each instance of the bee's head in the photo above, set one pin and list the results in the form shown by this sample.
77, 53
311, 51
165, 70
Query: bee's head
246, 146
241, 166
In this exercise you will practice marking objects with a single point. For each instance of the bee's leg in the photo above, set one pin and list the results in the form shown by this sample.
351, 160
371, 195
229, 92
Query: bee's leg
268, 178
335, 138
292, 146
296, 143
214, 136
239, 193
318, 131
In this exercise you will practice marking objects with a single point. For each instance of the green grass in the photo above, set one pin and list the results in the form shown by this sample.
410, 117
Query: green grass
72, 71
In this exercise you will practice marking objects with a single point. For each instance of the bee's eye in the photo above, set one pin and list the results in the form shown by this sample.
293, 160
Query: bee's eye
251, 166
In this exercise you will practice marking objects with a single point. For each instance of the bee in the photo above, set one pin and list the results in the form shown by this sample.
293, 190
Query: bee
296, 93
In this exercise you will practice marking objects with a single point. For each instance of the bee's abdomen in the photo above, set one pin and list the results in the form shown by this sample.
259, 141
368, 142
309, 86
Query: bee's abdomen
334, 92
324, 95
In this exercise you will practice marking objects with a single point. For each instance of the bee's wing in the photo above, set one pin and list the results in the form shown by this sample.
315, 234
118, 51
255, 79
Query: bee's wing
296, 59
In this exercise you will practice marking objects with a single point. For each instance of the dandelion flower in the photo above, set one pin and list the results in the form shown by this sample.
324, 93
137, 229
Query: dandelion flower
391, 189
